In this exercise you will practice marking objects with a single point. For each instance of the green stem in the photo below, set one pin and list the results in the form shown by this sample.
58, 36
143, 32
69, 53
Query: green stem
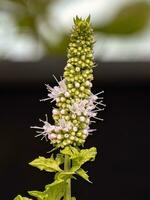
68, 181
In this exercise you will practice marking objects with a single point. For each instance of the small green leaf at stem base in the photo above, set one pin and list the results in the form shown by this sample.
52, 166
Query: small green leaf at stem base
19, 197
53, 191
70, 151
79, 157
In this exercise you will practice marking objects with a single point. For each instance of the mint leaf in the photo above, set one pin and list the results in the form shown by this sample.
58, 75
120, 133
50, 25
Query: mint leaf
39, 195
78, 157
19, 197
87, 155
63, 175
47, 164
83, 156
83, 174
60, 158
53, 191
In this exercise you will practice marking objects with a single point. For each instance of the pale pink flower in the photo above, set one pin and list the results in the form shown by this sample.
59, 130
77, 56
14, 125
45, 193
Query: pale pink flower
45, 130
88, 107
64, 125
79, 107
56, 91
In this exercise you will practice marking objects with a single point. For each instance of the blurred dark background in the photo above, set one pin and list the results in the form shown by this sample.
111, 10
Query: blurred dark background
33, 48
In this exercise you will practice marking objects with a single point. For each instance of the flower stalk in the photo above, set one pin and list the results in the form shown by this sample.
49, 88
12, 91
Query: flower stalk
67, 163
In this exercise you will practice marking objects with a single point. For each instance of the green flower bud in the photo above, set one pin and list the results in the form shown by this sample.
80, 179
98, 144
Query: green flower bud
82, 88
68, 101
62, 99
73, 90
72, 71
79, 48
76, 78
77, 69
83, 64
63, 105
64, 143
83, 57
82, 119
70, 86
67, 118
84, 137
77, 85
66, 135
83, 125
79, 134
77, 92
79, 62
72, 138
76, 139
73, 116
73, 133
75, 121
68, 141
59, 136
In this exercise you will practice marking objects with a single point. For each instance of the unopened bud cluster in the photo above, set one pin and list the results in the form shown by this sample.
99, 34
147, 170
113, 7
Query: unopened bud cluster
76, 104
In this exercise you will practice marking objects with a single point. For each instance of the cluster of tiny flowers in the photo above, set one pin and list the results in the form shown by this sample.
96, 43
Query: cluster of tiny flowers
77, 106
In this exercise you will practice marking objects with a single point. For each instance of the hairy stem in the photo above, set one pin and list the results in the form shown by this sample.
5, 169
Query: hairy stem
68, 181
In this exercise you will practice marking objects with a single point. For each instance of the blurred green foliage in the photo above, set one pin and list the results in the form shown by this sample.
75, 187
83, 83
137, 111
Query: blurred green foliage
130, 19
29, 14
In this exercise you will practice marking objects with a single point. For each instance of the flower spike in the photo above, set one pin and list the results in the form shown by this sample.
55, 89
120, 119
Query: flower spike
76, 105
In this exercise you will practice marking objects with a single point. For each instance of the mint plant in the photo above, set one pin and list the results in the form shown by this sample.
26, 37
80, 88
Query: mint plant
76, 108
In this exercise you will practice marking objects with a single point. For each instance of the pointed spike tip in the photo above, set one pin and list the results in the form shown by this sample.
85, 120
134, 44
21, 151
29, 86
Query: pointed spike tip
76, 20
88, 18
79, 21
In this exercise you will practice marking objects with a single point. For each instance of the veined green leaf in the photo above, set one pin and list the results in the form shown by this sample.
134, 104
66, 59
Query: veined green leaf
84, 156
78, 157
47, 164
73, 198
83, 174
87, 155
53, 191
19, 197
